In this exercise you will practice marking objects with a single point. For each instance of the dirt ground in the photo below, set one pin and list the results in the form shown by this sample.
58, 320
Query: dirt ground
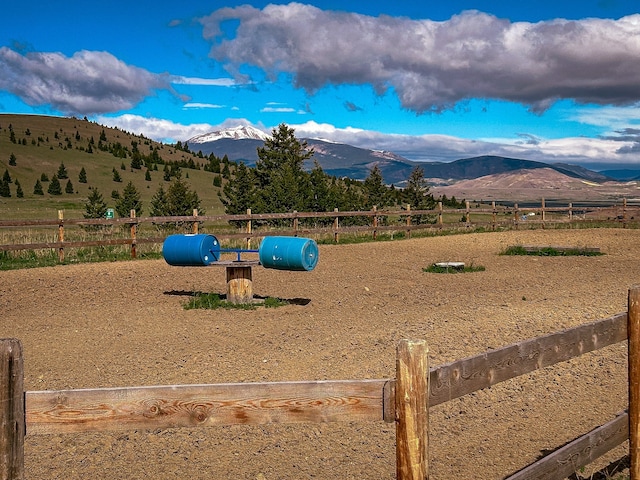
123, 324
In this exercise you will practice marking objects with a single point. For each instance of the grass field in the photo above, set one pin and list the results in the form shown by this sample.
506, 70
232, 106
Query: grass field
43, 143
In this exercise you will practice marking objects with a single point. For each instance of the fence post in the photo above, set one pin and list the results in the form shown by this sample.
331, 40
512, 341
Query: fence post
134, 231
295, 223
467, 213
412, 410
408, 221
624, 212
12, 419
196, 225
440, 214
516, 215
633, 332
493, 215
336, 225
375, 222
570, 213
544, 216
249, 229
61, 235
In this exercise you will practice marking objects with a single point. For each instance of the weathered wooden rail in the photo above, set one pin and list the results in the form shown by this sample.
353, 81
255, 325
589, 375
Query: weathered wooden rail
380, 221
404, 400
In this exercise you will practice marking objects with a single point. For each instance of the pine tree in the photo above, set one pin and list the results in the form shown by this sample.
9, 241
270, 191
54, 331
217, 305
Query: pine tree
417, 195
375, 191
19, 191
6, 177
69, 187
95, 206
147, 175
44, 177
239, 193
82, 176
5, 190
62, 172
37, 188
159, 203
54, 187
12, 160
130, 200
116, 176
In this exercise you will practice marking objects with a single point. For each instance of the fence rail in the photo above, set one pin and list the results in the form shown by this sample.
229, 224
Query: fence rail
404, 400
380, 221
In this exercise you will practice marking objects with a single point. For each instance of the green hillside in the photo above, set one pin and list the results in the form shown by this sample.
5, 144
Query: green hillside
41, 144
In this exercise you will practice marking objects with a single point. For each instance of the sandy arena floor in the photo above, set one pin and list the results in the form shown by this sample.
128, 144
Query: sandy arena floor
123, 324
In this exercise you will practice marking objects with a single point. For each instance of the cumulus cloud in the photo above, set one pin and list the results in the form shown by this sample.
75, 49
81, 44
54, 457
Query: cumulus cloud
89, 82
432, 66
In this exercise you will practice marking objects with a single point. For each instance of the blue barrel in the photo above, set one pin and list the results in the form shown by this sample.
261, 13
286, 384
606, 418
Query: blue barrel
288, 253
191, 250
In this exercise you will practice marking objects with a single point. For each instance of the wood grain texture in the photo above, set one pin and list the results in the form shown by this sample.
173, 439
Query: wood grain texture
633, 327
203, 405
12, 429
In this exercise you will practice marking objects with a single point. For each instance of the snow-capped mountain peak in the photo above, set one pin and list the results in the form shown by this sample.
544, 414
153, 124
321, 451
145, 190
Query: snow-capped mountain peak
234, 133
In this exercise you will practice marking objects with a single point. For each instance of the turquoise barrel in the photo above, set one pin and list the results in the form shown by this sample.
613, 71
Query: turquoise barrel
288, 253
191, 250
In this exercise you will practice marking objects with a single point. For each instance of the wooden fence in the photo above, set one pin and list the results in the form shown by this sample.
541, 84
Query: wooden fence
492, 218
404, 400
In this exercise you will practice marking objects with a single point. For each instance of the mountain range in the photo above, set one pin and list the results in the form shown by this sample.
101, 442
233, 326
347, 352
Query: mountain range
342, 160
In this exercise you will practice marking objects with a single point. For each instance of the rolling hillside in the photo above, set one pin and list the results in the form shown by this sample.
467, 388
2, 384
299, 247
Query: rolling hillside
43, 143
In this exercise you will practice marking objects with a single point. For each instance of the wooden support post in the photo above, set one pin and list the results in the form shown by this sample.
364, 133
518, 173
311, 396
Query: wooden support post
295, 223
544, 213
493, 215
239, 284
633, 332
516, 215
408, 221
440, 214
375, 222
336, 226
624, 212
467, 214
12, 419
570, 213
249, 229
61, 235
196, 225
134, 231
412, 410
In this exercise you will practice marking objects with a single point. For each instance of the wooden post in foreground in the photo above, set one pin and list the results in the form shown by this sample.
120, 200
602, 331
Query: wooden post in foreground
133, 230
633, 331
239, 284
12, 421
412, 410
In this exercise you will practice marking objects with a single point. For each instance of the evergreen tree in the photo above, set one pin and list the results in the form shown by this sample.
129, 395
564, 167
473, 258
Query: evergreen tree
283, 185
147, 175
82, 176
54, 187
37, 188
217, 180
62, 172
116, 176
159, 203
6, 177
374, 190
181, 200
130, 200
12, 160
44, 177
68, 187
5, 190
417, 195
240, 192
19, 192
94, 207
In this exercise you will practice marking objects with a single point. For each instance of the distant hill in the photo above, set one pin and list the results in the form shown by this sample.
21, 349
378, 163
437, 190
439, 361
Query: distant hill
344, 160
623, 175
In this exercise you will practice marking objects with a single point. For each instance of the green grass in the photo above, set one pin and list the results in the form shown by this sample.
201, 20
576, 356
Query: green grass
213, 301
550, 252
467, 269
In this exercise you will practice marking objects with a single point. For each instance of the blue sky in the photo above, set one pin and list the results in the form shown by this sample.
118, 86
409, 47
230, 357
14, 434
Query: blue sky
554, 81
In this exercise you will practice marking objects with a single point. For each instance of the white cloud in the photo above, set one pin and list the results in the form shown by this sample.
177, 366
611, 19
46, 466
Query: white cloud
434, 65
216, 82
86, 83
202, 105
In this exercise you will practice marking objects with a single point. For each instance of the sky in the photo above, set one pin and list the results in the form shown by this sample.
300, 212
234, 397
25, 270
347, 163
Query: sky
545, 80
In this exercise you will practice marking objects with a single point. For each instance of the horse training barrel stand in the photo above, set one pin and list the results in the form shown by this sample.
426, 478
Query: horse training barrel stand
280, 253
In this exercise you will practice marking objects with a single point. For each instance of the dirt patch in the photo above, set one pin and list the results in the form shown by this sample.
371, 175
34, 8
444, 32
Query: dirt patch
123, 324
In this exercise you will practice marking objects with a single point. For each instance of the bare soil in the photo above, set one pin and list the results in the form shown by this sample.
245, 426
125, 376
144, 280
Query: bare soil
123, 324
